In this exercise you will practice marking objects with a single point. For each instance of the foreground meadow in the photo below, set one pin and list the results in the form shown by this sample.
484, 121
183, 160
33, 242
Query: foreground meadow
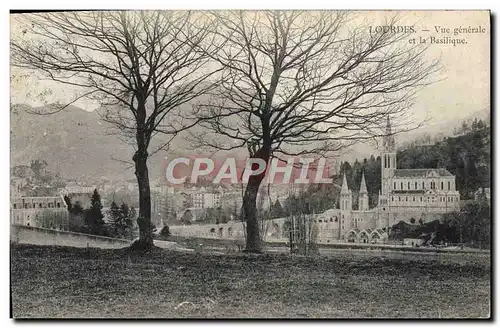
63, 282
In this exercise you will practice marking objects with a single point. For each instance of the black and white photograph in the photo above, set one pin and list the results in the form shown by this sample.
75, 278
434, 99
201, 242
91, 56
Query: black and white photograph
250, 164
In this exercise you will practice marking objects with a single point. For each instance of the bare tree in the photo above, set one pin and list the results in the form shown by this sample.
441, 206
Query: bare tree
141, 66
305, 82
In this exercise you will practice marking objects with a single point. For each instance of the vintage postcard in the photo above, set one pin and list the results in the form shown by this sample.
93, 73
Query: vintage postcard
250, 164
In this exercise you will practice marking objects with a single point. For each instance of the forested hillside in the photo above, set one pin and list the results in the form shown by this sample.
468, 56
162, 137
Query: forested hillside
467, 155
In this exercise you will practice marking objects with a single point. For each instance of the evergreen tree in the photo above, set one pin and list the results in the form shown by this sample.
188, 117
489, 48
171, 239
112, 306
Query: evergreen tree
124, 210
76, 208
115, 219
94, 219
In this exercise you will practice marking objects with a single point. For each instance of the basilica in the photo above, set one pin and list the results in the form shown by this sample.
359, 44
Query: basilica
410, 195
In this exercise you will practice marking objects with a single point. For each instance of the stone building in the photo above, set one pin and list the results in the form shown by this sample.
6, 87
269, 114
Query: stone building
409, 195
44, 212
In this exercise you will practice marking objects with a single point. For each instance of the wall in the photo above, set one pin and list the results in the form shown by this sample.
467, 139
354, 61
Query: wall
42, 236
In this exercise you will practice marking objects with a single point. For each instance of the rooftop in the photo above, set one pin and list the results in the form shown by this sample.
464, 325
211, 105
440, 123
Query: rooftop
420, 172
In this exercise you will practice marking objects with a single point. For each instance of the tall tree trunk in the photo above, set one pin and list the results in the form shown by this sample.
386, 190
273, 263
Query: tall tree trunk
144, 219
253, 241
250, 216
140, 158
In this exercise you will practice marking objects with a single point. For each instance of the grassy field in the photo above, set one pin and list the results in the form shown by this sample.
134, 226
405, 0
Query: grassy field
59, 282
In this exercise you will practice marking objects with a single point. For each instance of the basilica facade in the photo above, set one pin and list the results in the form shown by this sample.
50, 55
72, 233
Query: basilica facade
410, 195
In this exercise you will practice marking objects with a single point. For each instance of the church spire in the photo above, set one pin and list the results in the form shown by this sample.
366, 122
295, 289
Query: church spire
362, 188
389, 144
388, 130
345, 187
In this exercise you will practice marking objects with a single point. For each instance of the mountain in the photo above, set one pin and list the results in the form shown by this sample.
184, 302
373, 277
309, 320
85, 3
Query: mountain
73, 142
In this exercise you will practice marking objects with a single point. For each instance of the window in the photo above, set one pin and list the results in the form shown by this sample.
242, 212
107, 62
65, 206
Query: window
401, 186
392, 198
399, 198
423, 185
416, 184
413, 198
406, 198
449, 185
408, 185
394, 185
14, 206
58, 205
442, 185
420, 198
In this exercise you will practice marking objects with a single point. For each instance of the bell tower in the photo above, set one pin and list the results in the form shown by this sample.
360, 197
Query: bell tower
388, 158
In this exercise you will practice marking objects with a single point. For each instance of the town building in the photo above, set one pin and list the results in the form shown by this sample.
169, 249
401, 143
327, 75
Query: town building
43, 212
483, 193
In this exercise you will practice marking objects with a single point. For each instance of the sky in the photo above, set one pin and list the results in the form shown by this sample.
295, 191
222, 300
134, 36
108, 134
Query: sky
464, 87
